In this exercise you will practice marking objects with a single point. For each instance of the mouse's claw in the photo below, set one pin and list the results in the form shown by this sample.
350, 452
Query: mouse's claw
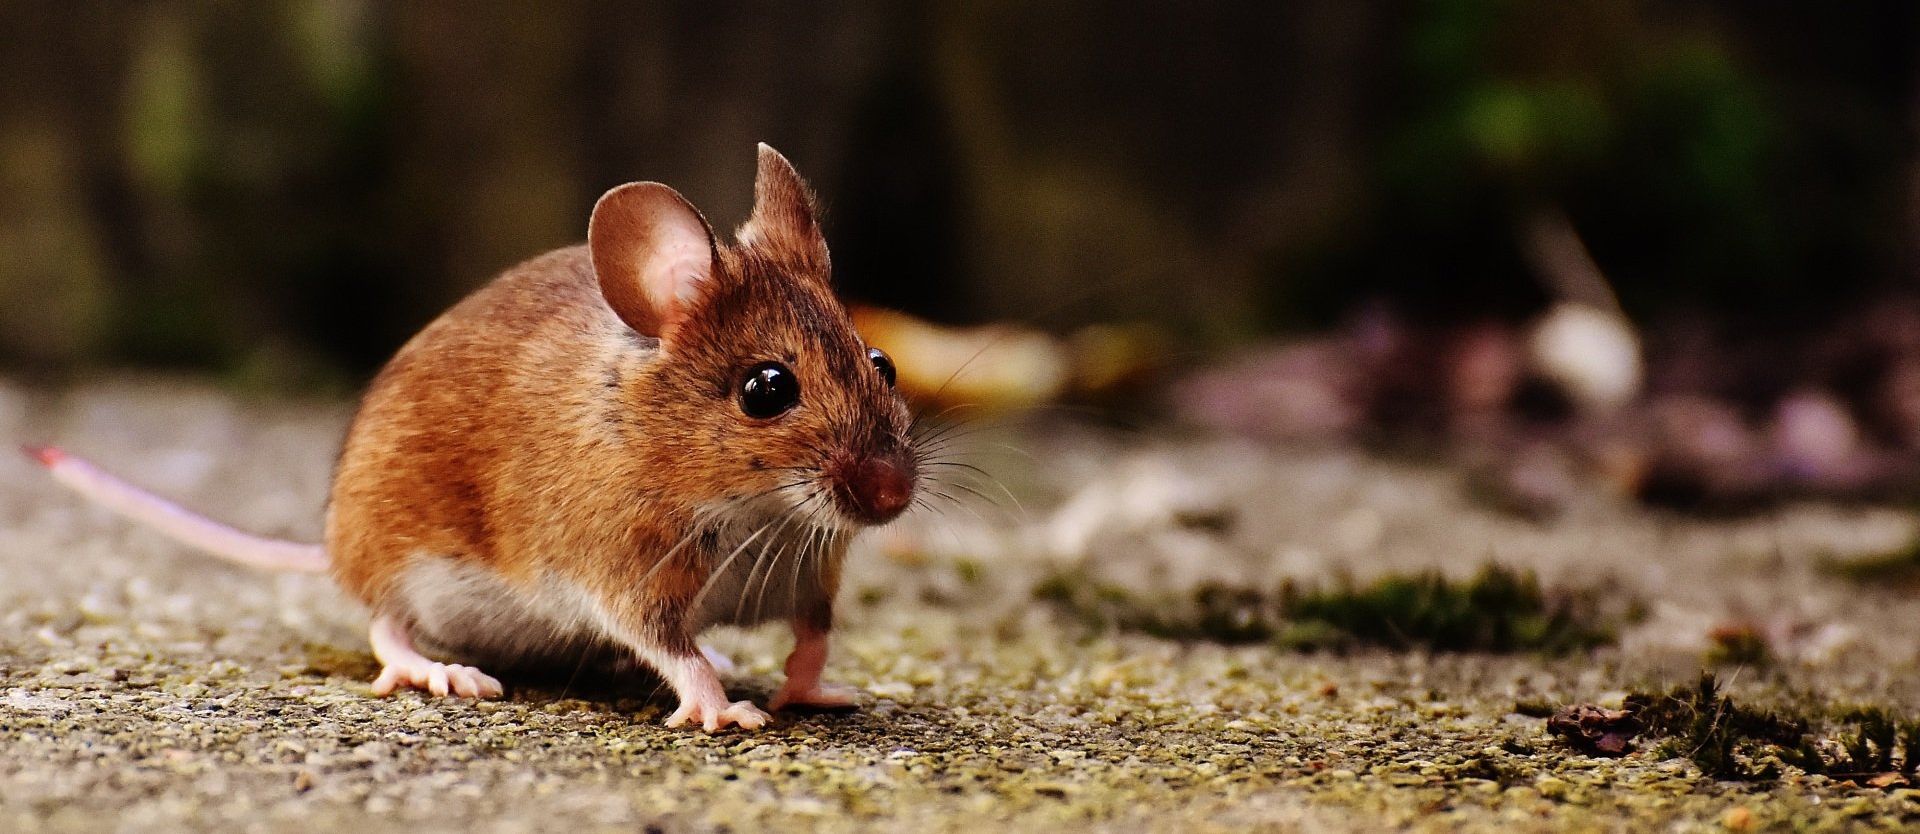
717, 715
440, 679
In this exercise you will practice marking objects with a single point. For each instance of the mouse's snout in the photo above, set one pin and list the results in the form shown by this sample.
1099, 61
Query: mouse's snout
873, 489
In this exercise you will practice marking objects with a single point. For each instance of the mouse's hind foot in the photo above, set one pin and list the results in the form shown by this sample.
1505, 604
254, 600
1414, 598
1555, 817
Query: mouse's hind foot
403, 666
437, 679
713, 714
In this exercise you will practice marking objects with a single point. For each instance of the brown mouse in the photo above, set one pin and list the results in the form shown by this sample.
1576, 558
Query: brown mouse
610, 447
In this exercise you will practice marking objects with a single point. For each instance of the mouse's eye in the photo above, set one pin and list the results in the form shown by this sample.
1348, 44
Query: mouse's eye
769, 390
882, 363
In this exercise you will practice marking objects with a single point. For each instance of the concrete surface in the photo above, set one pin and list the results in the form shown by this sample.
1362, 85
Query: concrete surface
145, 688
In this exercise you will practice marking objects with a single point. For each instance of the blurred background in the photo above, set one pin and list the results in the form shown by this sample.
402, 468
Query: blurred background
1668, 245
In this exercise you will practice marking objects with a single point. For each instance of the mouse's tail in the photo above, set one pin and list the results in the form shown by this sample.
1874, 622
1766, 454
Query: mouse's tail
177, 522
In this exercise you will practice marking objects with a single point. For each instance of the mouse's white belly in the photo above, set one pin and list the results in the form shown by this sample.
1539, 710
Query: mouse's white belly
467, 609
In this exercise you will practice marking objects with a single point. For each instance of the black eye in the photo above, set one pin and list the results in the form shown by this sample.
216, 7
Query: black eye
769, 390
882, 363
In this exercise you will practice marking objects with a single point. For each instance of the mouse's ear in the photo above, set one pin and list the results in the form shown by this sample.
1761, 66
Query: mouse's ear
783, 222
653, 254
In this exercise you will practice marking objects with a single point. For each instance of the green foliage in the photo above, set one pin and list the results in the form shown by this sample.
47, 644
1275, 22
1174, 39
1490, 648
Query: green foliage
1688, 164
185, 186
1732, 742
1497, 610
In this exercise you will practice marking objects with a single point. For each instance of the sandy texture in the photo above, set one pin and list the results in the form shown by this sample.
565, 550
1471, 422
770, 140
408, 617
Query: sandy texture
144, 688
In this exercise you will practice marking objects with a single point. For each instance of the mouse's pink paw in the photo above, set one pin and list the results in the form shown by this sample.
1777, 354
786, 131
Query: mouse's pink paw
437, 678
717, 714
818, 695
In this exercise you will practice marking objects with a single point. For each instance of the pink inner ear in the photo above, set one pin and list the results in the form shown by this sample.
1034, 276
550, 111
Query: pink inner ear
653, 255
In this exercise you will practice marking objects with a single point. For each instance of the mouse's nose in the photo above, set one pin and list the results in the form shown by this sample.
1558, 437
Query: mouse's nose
874, 489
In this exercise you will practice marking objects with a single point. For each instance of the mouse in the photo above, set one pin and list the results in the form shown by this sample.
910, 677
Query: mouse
607, 449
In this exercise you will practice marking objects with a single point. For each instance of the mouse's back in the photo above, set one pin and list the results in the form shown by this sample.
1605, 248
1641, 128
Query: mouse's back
492, 385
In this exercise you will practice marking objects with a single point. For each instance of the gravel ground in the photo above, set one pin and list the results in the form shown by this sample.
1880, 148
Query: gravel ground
146, 688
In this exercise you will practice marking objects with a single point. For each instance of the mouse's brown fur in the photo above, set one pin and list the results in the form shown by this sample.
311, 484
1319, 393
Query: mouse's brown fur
566, 463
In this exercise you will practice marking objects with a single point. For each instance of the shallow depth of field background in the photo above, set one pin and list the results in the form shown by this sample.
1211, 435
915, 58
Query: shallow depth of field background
281, 192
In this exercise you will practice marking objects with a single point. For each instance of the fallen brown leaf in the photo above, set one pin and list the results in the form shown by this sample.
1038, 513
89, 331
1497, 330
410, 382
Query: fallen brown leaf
1596, 731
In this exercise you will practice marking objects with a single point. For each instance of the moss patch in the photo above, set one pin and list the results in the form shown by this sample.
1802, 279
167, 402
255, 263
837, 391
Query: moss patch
1497, 610
333, 662
1900, 566
1739, 743
1726, 740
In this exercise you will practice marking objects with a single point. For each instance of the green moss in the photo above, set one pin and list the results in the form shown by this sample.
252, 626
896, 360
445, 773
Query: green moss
1725, 740
1877, 741
1497, 610
1729, 741
1900, 566
332, 662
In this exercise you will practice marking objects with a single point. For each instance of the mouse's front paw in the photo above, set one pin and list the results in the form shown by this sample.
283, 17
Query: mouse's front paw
815, 696
717, 714
439, 679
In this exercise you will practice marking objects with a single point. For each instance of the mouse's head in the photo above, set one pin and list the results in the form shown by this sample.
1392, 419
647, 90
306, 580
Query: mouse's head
761, 386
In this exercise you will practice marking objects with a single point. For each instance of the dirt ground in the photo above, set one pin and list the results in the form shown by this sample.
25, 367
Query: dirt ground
146, 688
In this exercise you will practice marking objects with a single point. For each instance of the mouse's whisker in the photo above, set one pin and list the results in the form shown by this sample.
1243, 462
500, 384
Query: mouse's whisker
944, 448
962, 505
833, 542
983, 476
806, 541
936, 432
731, 506
766, 492
800, 560
673, 551
939, 510
720, 571
746, 588
923, 416
787, 520
807, 549
956, 464
955, 413
997, 339
798, 547
944, 485
947, 525
923, 420
992, 501
760, 559
1008, 447
945, 440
